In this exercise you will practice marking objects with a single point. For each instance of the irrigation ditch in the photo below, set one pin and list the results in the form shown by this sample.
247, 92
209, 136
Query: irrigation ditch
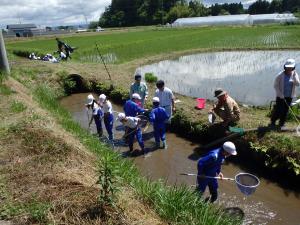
275, 156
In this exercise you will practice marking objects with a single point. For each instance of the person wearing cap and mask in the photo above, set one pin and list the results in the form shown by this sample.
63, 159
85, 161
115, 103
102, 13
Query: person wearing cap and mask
158, 117
97, 113
284, 85
133, 129
131, 107
226, 108
108, 115
139, 88
210, 165
166, 98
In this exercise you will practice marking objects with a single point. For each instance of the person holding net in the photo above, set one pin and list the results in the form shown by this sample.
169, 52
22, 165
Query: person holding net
132, 125
210, 166
284, 86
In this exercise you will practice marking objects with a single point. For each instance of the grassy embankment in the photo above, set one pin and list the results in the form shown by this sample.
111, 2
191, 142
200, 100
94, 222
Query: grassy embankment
50, 166
134, 48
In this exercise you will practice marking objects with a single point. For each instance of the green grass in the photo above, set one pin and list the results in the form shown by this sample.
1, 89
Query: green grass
178, 205
136, 44
4, 90
17, 107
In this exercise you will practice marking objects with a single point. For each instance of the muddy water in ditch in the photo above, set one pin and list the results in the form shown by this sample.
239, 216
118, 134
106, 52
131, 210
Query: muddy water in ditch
270, 204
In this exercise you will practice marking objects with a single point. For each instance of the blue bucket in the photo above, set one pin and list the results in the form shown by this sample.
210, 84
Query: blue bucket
247, 183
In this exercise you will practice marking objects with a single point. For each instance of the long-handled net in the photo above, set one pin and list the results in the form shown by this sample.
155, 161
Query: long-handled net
246, 182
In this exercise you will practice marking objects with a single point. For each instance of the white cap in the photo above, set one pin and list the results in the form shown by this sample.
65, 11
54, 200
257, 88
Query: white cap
121, 116
290, 63
102, 97
89, 99
136, 96
229, 147
155, 99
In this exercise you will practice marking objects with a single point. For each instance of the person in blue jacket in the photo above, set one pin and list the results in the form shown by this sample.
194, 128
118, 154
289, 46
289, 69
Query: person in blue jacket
158, 117
131, 107
210, 165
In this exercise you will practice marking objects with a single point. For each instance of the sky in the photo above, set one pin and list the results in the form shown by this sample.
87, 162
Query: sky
61, 12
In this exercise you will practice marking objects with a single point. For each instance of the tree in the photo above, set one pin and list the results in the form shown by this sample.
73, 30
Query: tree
178, 11
259, 7
197, 8
93, 24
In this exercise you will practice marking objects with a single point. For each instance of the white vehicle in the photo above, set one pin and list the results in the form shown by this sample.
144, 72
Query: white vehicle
99, 29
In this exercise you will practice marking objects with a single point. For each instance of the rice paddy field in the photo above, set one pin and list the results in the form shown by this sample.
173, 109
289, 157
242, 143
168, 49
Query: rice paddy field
130, 44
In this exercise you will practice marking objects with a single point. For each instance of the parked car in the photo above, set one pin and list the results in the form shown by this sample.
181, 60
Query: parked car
99, 29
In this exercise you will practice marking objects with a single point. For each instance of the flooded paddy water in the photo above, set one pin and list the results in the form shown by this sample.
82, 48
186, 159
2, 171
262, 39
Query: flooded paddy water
270, 204
247, 75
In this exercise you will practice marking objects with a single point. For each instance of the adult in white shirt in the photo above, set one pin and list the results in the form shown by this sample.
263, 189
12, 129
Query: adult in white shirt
108, 115
166, 98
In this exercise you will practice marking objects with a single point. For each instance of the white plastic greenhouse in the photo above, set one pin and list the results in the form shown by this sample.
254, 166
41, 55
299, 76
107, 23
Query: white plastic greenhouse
242, 19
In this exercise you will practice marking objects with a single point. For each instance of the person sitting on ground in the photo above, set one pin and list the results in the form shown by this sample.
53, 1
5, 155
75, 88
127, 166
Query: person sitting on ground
131, 107
139, 88
210, 165
108, 115
284, 86
132, 125
97, 113
158, 117
166, 98
226, 108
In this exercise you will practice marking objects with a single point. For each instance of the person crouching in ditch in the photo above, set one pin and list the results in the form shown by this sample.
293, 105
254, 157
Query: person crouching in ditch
97, 113
226, 108
133, 129
210, 165
158, 117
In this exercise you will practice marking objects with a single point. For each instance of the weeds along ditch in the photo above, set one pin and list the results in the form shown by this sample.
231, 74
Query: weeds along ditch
177, 205
276, 156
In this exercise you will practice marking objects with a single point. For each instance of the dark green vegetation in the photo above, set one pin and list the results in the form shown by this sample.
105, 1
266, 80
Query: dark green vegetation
139, 44
150, 12
150, 78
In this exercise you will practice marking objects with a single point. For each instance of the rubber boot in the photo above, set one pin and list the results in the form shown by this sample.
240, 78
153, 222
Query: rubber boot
157, 145
165, 146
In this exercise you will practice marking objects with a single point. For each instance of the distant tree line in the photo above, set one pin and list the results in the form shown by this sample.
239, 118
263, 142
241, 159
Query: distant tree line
150, 12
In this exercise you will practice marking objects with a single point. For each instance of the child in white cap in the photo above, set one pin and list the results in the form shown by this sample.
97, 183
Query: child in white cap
97, 114
108, 114
158, 117
133, 129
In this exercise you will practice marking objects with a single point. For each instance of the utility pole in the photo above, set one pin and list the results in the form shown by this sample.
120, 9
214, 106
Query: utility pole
4, 66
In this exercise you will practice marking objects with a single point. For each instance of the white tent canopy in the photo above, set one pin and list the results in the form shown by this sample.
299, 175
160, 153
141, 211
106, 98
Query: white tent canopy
242, 19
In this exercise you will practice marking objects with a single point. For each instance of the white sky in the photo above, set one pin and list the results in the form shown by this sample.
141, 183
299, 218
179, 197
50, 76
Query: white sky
60, 12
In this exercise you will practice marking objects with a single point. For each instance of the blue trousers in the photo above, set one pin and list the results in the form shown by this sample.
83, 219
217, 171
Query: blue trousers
212, 185
98, 123
109, 123
159, 132
138, 134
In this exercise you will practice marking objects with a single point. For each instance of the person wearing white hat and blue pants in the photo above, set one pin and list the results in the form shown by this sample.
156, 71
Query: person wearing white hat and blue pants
97, 113
133, 129
284, 86
210, 165
158, 117
108, 115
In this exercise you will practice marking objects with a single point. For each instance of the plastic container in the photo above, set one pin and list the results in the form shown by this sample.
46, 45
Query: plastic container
201, 103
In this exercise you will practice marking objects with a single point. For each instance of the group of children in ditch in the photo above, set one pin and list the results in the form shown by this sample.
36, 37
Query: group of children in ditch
209, 166
159, 115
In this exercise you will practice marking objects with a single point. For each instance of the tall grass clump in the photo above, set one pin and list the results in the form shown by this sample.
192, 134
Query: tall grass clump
177, 205
150, 77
